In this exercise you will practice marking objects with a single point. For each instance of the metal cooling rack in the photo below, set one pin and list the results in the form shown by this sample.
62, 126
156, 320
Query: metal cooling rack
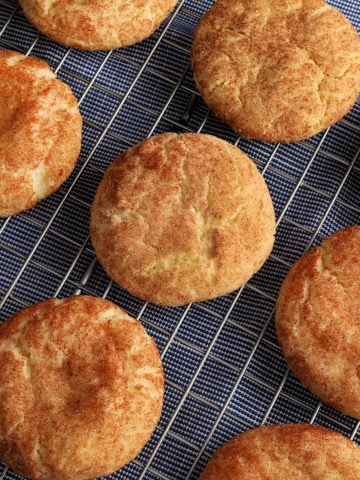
224, 370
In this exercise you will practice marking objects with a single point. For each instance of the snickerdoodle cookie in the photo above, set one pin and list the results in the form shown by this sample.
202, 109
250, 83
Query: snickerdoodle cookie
284, 452
81, 389
40, 132
277, 70
182, 218
318, 320
97, 24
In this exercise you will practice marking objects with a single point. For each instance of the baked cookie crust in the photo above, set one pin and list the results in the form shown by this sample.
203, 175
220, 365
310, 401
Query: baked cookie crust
81, 389
182, 218
40, 132
97, 24
317, 320
283, 452
277, 70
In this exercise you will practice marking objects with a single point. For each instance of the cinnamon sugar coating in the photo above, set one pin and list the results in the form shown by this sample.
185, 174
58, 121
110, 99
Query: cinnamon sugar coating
40, 132
317, 320
284, 452
81, 389
182, 218
277, 70
97, 24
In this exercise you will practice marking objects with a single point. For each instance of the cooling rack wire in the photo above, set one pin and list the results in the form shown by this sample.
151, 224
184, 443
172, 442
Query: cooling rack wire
224, 370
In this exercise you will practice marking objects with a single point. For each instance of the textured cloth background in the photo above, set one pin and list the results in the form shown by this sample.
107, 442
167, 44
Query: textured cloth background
224, 370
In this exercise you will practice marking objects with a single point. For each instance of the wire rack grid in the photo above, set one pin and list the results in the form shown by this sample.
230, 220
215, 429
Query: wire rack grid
225, 372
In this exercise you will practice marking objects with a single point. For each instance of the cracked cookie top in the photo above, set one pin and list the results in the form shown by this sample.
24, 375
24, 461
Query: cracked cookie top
284, 452
40, 132
318, 320
81, 389
277, 70
182, 218
97, 24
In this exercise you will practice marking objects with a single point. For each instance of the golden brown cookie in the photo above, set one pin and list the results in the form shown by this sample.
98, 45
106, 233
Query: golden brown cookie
277, 70
285, 452
318, 320
97, 24
81, 389
40, 132
182, 218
